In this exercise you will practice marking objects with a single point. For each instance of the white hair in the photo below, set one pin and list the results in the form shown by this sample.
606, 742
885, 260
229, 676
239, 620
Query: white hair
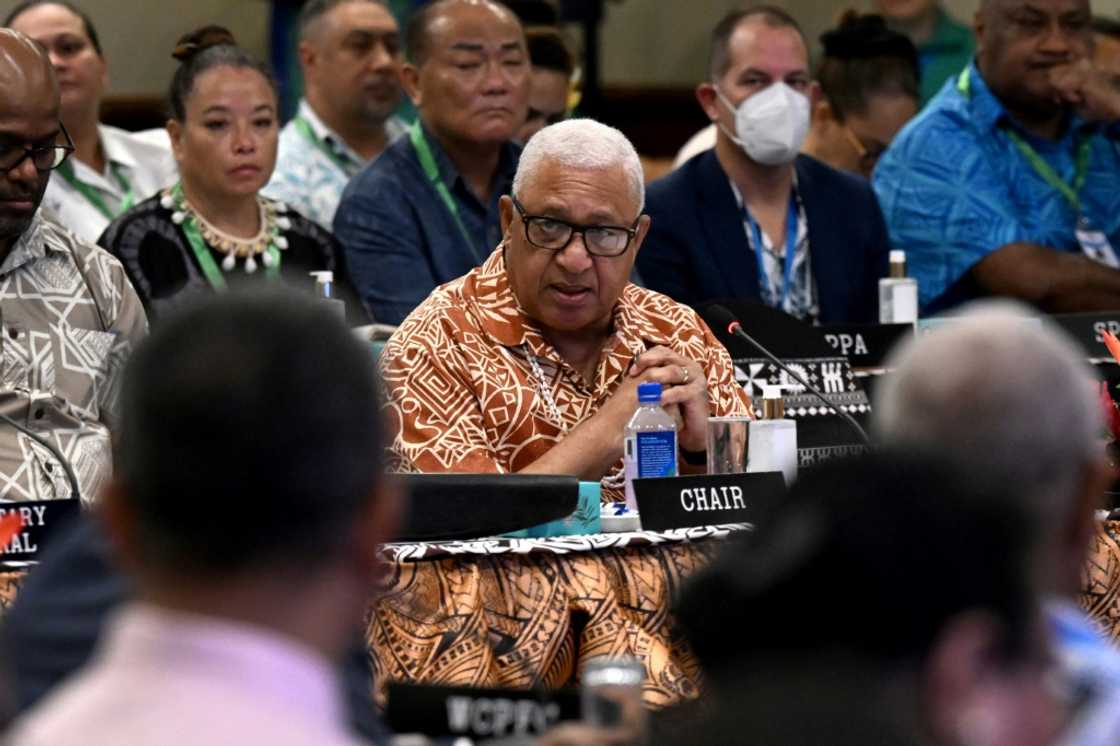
581, 144
1003, 393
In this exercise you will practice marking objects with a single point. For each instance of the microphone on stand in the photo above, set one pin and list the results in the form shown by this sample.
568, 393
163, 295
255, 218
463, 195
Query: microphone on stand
73, 480
723, 316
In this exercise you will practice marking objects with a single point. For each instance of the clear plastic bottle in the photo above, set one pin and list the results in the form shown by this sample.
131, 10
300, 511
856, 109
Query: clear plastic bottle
324, 291
898, 294
650, 441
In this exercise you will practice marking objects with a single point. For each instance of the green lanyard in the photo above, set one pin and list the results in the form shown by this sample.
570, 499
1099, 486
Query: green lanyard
93, 196
431, 170
205, 257
1070, 191
304, 128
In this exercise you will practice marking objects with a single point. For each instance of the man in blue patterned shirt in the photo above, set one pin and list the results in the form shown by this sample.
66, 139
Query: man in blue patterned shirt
1009, 182
350, 54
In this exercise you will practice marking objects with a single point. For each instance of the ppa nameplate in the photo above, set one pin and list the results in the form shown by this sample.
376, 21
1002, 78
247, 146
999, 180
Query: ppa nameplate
704, 500
40, 518
477, 713
865, 345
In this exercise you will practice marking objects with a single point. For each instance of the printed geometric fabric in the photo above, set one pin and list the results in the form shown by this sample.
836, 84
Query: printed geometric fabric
954, 187
307, 179
461, 392
1100, 580
68, 321
531, 621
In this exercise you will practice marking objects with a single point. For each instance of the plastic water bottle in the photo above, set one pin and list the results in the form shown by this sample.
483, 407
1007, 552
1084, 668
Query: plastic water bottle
650, 442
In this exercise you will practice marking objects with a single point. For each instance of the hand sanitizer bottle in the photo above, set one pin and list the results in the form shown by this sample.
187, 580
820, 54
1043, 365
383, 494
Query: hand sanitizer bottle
324, 291
650, 441
772, 440
898, 294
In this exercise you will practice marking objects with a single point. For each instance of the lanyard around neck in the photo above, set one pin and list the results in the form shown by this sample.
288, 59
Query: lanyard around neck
431, 170
759, 252
304, 128
93, 196
205, 257
1070, 190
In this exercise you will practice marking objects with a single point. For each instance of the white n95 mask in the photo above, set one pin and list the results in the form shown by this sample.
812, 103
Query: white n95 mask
771, 124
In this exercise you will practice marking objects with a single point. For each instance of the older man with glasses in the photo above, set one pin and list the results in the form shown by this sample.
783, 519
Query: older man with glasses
68, 315
531, 362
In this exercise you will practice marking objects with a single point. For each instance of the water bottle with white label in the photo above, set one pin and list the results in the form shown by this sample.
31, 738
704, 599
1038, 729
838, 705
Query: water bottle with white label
650, 441
898, 294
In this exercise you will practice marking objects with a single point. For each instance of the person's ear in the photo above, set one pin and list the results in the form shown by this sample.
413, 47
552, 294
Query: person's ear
953, 680
1077, 537
175, 134
308, 57
377, 523
118, 524
644, 223
410, 82
823, 114
709, 100
505, 214
815, 94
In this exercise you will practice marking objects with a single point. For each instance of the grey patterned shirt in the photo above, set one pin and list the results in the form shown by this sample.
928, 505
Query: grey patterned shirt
68, 320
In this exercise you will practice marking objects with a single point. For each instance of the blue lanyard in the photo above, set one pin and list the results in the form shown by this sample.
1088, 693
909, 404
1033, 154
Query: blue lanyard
791, 248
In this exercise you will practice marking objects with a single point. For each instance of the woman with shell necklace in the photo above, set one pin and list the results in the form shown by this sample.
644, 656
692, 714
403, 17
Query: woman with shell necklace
213, 231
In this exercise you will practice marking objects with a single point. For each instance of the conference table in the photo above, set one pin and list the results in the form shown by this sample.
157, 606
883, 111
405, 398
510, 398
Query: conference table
525, 613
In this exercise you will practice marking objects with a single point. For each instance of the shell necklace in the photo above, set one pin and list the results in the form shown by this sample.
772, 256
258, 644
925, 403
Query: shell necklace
201, 235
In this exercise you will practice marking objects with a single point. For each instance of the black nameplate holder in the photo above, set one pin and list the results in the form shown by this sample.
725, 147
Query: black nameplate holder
707, 499
865, 345
1087, 329
40, 519
475, 713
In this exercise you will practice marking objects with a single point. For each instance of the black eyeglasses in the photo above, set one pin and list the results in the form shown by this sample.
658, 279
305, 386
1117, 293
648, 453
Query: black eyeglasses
45, 157
555, 234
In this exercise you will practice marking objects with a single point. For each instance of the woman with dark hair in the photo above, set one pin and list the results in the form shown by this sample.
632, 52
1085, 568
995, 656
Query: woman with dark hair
213, 229
112, 168
869, 81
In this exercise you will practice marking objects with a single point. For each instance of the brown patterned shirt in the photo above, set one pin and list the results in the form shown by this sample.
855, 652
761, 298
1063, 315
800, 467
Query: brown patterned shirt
461, 391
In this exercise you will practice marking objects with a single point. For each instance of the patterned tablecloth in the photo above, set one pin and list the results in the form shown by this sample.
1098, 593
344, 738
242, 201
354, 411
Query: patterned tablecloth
1100, 582
525, 613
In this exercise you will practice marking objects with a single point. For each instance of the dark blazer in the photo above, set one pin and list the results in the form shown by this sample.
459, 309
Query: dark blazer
696, 249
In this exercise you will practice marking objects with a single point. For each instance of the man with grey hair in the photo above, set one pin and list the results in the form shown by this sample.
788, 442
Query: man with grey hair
1008, 399
350, 55
531, 362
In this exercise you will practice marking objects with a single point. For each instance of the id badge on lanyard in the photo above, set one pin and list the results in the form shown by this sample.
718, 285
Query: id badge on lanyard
1094, 243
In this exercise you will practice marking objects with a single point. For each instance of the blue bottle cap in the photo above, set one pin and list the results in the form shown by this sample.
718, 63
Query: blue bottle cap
649, 392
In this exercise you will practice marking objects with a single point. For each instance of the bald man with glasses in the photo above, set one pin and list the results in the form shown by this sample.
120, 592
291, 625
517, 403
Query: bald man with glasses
68, 315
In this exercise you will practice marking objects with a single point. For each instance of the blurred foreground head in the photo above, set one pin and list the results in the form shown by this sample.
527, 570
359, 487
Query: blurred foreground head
1008, 397
250, 445
886, 601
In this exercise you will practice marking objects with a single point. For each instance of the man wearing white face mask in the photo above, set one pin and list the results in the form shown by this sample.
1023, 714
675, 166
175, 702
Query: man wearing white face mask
751, 218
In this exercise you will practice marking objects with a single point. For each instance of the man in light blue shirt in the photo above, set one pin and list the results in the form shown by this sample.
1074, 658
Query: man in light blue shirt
350, 53
1009, 182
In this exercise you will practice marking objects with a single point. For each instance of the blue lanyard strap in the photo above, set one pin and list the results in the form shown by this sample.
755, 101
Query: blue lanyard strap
431, 170
759, 252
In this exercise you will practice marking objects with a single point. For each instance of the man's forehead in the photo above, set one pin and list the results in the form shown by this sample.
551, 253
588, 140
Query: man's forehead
604, 192
473, 23
755, 43
361, 15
